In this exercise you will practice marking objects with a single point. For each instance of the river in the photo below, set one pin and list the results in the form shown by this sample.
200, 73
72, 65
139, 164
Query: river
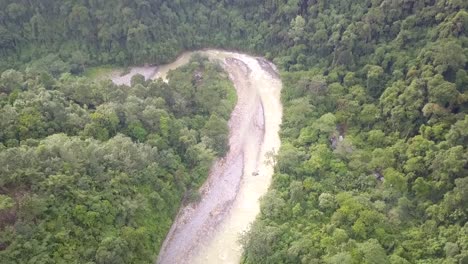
208, 231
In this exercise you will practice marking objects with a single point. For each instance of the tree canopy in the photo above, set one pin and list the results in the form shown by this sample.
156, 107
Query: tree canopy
373, 166
92, 172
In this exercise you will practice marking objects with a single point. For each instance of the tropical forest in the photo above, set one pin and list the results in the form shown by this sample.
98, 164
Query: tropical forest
234, 131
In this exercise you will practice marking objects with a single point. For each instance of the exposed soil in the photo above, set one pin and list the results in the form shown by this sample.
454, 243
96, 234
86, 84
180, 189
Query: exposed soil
208, 231
147, 72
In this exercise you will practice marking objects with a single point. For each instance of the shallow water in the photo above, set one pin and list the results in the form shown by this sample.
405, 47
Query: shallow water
224, 246
208, 231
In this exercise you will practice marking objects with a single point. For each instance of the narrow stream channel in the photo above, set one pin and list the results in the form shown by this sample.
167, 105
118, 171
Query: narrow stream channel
208, 232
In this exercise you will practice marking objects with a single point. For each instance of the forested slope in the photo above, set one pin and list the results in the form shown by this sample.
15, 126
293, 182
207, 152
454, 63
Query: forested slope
94, 172
373, 167
123, 32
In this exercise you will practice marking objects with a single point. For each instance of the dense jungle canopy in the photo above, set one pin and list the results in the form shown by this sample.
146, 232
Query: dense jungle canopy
373, 164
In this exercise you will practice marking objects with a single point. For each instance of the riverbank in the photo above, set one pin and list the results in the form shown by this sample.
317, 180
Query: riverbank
208, 231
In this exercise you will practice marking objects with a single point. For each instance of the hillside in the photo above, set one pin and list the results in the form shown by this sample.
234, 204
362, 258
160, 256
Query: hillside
92, 172
373, 164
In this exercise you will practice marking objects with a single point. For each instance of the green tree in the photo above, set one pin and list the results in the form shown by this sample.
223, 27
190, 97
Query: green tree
215, 134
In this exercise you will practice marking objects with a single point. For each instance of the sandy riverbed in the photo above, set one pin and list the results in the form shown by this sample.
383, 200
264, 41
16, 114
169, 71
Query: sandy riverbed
208, 231
147, 72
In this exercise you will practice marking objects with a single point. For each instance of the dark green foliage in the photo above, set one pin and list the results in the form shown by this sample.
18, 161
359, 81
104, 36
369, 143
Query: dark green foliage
373, 163
93, 172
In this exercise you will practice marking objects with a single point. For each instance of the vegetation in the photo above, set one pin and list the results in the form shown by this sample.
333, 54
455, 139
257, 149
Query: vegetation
100, 72
373, 167
94, 172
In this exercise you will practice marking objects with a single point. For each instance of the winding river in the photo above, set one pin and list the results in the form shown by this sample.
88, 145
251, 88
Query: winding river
208, 231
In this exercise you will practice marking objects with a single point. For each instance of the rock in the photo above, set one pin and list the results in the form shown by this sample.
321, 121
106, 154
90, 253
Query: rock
378, 176
333, 142
197, 77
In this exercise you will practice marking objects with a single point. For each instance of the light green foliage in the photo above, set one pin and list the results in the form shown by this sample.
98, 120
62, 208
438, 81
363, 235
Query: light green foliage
6, 202
381, 148
95, 173
371, 252
97, 72
297, 28
374, 97
10, 80
342, 257
215, 134
327, 201
441, 91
